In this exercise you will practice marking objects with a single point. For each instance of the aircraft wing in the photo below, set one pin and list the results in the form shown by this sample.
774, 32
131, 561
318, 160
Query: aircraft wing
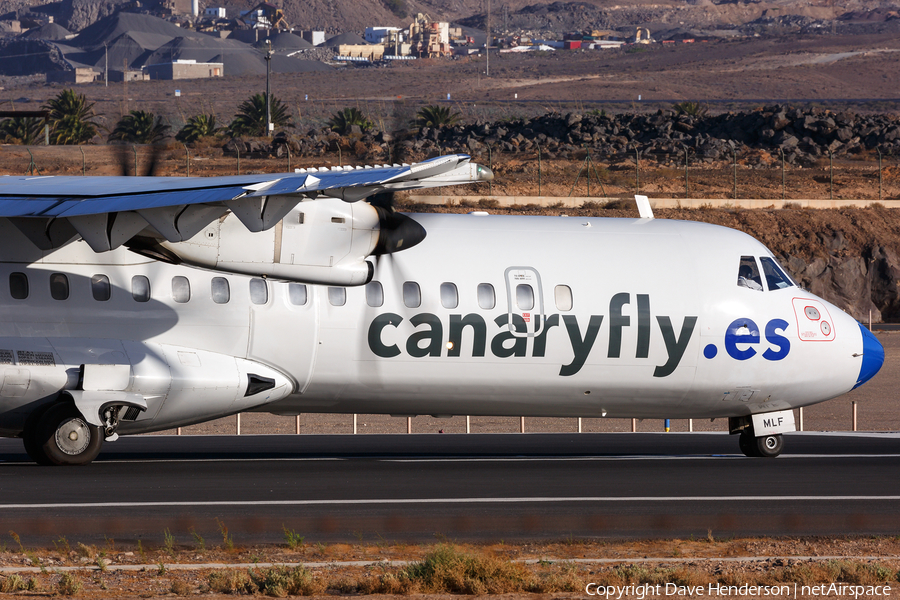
108, 211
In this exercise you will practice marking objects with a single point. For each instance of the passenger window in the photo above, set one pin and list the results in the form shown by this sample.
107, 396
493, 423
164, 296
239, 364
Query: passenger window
563, 295
297, 293
100, 288
449, 295
59, 286
140, 288
486, 298
412, 295
18, 285
748, 274
374, 293
776, 279
259, 291
181, 289
337, 296
220, 290
524, 296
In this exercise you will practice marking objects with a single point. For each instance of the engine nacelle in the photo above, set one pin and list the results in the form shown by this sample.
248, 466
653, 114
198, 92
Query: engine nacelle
324, 241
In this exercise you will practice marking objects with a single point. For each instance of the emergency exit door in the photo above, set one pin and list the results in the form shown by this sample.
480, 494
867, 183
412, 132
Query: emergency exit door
525, 301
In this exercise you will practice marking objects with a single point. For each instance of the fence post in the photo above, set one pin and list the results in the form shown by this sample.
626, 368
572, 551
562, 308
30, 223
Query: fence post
297, 425
579, 424
781, 150
521, 424
634, 426
468, 425
491, 167
288, 146
879, 173
187, 159
408, 424
801, 418
831, 175
854, 415
539, 171
238, 424
354, 423
238, 152
734, 154
637, 170
686, 187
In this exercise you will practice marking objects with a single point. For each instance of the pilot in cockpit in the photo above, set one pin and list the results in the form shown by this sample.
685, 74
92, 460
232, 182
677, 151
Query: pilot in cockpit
747, 280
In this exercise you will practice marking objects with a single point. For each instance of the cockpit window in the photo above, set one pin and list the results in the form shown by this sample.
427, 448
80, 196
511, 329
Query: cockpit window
748, 274
776, 278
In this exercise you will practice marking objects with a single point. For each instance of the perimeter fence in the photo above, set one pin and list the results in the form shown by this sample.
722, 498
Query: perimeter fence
534, 172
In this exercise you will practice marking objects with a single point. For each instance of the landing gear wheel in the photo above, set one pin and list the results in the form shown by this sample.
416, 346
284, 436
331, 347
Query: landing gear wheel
747, 443
30, 437
66, 438
769, 446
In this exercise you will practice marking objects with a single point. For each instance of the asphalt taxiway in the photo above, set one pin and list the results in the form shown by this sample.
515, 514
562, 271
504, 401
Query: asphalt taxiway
464, 487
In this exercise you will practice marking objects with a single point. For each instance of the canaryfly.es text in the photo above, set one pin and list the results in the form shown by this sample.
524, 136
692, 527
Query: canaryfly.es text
647, 590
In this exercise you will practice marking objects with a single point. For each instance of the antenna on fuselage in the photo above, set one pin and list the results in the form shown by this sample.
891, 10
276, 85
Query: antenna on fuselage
644, 208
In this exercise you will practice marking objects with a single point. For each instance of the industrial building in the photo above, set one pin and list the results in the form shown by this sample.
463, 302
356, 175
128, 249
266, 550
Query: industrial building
185, 69
79, 75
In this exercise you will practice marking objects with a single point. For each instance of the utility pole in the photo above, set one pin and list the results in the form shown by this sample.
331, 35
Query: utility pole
487, 42
106, 64
268, 88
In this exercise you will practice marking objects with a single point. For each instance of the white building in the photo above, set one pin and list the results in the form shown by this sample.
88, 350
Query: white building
217, 12
378, 35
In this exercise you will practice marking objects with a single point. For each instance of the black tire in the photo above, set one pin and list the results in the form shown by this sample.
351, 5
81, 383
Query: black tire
747, 443
769, 446
30, 437
66, 438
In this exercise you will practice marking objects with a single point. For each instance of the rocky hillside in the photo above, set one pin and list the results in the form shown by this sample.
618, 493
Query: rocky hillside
803, 135
535, 17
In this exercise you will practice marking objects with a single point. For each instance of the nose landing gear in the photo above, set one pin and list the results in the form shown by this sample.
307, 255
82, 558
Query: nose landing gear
767, 446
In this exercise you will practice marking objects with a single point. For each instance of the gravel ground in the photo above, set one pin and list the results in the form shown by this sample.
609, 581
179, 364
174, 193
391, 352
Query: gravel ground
876, 411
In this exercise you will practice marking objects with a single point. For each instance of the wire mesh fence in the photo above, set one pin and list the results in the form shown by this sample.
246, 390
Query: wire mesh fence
536, 172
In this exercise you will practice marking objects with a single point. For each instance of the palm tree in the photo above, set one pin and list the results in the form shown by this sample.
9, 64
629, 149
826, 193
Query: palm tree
140, 127
71, 118
197, 127
343, 120
694, 109
251, 117
21, 130
436, 116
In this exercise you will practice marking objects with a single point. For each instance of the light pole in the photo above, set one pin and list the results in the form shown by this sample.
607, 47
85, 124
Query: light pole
268, 89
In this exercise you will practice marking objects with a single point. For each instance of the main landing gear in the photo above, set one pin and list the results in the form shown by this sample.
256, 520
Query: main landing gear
59, 435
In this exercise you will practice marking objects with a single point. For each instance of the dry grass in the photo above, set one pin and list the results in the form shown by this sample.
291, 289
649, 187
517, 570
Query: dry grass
447, 569
275, 581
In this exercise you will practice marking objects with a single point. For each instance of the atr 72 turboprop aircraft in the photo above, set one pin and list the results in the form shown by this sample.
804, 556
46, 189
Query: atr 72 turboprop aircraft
138, 304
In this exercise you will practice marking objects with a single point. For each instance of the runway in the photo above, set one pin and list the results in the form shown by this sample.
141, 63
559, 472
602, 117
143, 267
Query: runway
463, 487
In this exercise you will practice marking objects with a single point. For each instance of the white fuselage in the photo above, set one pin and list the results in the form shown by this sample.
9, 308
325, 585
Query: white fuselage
630, 318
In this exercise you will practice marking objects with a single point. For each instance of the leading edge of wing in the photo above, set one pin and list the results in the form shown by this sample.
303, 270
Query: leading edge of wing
66, 196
